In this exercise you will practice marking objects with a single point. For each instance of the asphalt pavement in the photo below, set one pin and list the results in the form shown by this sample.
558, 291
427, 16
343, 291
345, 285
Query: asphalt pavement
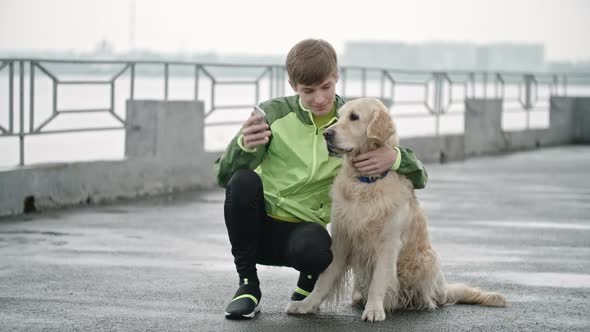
517, 223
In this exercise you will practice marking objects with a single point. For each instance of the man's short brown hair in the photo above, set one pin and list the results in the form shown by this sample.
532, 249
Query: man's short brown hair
311, 61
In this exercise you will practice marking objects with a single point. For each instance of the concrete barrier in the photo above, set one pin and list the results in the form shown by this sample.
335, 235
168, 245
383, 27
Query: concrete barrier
582, 121
526, 140
164, 151
437, 149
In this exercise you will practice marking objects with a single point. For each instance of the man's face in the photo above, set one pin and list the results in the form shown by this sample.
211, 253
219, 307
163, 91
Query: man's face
319, 98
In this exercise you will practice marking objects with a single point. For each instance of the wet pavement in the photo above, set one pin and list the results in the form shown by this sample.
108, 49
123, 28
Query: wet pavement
518, 224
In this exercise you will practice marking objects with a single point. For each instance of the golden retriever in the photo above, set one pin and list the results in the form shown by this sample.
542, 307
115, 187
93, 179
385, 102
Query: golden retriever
379, 231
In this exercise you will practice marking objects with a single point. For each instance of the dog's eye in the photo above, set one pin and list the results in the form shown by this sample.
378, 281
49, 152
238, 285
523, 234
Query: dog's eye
353, 117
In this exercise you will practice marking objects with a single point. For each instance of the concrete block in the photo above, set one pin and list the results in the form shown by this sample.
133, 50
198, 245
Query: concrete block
140, 136
561, 120
483, 127
582, 120
170, 131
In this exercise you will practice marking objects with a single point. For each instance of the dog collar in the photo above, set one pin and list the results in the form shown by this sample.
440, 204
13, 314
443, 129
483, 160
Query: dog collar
371, 179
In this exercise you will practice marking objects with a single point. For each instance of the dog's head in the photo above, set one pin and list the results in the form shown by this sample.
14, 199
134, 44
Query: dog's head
364, 124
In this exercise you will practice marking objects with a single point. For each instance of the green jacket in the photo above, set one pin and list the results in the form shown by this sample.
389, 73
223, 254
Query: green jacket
295, 168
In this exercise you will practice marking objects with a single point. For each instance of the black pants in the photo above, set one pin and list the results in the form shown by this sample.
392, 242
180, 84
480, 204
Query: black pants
257, 238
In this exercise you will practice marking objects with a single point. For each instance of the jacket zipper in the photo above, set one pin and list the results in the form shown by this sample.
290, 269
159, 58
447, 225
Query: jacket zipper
314, 158
315, 153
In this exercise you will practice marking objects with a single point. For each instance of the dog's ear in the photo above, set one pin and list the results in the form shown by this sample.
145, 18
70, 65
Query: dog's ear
381, 126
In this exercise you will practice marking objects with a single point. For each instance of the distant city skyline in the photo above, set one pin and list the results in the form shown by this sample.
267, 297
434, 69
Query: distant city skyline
267, 27
445, 56
525, 57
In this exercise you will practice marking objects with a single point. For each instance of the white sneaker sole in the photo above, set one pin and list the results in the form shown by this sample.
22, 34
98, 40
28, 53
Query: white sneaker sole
248, 316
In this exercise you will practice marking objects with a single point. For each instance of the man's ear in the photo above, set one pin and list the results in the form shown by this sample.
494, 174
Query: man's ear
293, 86
381, 126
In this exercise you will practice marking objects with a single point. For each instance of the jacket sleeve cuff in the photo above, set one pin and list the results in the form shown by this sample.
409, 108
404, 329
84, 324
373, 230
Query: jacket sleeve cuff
398, 160
245, 149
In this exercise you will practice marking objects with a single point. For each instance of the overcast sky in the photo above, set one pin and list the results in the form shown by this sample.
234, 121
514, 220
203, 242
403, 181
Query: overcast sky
273, 26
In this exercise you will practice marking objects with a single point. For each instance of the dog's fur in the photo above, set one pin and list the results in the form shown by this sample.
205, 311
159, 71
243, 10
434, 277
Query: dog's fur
379, 231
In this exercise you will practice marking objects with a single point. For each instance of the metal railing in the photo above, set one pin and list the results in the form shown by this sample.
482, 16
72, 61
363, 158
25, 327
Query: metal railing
435, 93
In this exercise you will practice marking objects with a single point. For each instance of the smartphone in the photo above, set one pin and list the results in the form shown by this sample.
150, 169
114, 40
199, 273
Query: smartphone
260, 111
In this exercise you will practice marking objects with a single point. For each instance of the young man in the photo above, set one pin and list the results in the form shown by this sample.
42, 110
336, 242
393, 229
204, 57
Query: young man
277, 174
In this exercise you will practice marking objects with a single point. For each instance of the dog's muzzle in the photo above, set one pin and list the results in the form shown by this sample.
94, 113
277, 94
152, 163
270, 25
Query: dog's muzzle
332, 149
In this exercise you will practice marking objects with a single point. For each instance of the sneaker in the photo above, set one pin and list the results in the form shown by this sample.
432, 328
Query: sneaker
246, 302
299, 294
305, 282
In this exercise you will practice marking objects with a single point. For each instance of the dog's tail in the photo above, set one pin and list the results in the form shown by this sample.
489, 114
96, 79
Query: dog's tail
463, 294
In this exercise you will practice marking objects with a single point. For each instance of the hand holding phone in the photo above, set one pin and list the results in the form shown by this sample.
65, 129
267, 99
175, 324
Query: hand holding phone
260, 111
256, 130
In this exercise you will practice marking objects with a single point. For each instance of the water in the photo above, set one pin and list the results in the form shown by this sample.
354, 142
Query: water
538, 279
110, 144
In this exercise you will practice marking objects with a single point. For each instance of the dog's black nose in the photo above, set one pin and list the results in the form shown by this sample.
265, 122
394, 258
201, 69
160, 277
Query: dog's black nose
329, 134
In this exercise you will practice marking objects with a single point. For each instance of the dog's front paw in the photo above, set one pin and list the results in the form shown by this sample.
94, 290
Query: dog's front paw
373, 313
300, 307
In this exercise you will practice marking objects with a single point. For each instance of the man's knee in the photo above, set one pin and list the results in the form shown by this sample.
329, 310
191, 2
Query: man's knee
309, 249
244, 179
243, 191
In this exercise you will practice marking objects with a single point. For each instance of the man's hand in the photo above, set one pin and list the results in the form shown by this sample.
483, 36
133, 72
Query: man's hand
255, 131
375, 162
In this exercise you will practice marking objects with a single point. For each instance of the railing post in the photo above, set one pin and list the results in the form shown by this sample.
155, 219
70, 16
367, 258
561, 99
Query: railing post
382, 85
213, 84
54, 90
485, 85
437, 102
343, 82
496, 84
364, 82
166, 81
283, 70
31, 96
271, 81
21, 132
197, 82
528, 82
472, 79
528, 104
256, 92
278, 81
112, 108
392, 91
11, 97
132, 83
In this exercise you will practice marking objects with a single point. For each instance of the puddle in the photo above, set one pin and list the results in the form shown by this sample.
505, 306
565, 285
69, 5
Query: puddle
450, 231
26, 232
540, 279
462, 259
533, 224
457, 255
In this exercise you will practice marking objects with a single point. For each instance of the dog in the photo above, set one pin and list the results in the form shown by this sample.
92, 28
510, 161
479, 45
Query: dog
379, 231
